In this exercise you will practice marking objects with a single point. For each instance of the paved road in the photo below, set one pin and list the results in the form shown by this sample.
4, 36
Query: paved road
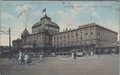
94, 65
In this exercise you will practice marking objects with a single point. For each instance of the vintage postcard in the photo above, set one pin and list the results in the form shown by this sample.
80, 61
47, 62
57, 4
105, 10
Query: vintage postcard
59, 37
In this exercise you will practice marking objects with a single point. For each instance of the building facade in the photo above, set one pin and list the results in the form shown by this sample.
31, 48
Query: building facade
86, 37
45, 36
17, 44
41, 37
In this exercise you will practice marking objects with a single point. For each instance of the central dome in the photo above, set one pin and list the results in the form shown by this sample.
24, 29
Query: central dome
46, 21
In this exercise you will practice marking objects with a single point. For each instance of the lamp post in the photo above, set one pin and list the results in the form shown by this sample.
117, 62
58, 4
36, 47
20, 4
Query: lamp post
9, 38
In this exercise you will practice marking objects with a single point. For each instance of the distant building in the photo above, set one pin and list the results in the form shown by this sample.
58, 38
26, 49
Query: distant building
46, 37
17, 44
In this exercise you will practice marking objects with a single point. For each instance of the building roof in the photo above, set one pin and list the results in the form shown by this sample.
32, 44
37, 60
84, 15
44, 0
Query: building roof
52, 24
46, 21
46, 17
37, 24
86, 26
25, 32
94, 24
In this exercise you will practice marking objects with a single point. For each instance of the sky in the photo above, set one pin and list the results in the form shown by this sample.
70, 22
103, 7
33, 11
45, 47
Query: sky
67, 14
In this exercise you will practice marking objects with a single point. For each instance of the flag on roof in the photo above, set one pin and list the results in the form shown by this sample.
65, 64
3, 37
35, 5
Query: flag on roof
44, 10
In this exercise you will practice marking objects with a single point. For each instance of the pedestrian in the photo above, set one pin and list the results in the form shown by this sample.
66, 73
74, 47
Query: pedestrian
74, 55
19, 57
40, 58
26, 58
22, 58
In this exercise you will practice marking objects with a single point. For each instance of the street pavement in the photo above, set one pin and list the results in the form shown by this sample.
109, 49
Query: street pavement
63, 65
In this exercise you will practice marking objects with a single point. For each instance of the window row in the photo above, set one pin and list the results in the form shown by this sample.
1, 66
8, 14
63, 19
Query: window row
60, 37
72, 43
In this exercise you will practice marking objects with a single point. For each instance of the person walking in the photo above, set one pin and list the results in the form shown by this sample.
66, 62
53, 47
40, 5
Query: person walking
19, 57
26, 58
74, 55
40, 58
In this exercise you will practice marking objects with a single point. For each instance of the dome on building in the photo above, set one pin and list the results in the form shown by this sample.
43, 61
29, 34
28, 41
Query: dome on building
46, 21
53, 24
25, 32
46, 17
37, 24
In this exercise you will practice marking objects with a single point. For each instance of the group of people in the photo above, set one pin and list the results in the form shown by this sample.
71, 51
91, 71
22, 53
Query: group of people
23, 58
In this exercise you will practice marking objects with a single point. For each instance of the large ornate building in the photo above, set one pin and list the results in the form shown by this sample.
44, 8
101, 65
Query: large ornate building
46, 37
41, 36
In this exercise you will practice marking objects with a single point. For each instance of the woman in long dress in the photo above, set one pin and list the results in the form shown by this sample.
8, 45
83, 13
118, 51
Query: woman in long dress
26, 58
40, 58
20, 57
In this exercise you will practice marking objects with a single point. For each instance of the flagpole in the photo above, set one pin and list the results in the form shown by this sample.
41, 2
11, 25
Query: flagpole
45, 11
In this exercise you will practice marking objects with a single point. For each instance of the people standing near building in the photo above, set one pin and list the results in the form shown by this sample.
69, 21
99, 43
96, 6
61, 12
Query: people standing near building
41, 58
91, 53
20, 57
74, 55
26, 57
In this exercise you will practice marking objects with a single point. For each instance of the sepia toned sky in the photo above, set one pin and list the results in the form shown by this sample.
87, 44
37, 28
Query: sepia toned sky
70, 14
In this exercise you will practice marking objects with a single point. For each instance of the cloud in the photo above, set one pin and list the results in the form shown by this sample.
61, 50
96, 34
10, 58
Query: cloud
17, 26
38, 13
22, 10
75, 7
95, 14
23, 7
6, 16
68, 18
60, 12
70, 14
